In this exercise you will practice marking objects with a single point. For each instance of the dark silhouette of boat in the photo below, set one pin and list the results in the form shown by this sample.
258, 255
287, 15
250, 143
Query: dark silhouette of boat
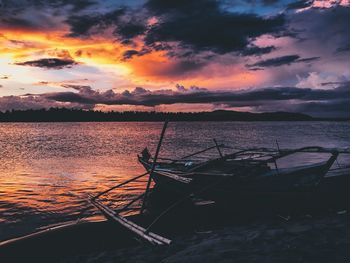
244, 172
249, 176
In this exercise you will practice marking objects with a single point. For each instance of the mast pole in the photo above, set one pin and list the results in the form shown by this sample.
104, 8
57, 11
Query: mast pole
153, 166
278, 146
218, 148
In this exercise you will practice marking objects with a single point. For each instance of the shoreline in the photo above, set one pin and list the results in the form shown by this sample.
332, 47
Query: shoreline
303, 240
76, 115
306, 238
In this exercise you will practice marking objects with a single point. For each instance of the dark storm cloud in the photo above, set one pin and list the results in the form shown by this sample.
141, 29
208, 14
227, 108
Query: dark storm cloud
180, 28
270, 2
203, 26
197, 25
181, 67
279, 61
325, 28
38, 14
343, 48
275, 62
318, 102
49, 63
299, 4
129, 54
308, 59
30, 102
141, 96
17, 22
337, 83
72, 98
128, 30
76, 5
257, 51
81, 25
125, 24
79, 5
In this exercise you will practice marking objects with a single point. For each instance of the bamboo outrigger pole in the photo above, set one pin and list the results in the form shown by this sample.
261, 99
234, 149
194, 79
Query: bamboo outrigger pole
119, 185
196, 153
153, 166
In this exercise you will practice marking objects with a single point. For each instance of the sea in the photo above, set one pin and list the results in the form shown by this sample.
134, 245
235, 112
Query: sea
48, 170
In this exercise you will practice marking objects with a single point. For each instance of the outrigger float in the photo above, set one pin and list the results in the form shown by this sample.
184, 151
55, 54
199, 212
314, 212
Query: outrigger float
255, 173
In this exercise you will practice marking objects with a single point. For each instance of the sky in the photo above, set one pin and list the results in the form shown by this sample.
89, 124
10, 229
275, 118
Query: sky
176, 55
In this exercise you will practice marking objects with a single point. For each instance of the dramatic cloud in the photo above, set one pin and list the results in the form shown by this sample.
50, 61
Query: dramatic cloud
238, 52
130, 53
343, 48
326, 27
82, 25
34, 102
300, 4
257, 51
199, 26
279, 61
78, 5
204, 26
318, 102
75, 6
49, 63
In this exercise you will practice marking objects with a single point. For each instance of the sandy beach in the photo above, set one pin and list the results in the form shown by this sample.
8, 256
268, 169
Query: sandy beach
305, 239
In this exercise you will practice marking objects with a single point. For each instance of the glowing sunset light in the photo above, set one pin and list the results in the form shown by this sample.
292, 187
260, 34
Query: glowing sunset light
211, 45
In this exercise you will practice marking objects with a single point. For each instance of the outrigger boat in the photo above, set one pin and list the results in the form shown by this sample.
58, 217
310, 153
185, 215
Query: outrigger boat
255, 173
246, 171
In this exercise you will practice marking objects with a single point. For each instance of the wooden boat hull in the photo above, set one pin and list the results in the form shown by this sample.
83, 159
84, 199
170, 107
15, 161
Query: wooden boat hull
217, 187
298, 190
332, 194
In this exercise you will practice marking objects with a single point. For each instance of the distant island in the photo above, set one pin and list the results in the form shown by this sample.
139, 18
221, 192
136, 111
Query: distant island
77, 115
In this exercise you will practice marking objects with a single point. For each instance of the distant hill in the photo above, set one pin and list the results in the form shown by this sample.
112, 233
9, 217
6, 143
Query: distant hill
68, 115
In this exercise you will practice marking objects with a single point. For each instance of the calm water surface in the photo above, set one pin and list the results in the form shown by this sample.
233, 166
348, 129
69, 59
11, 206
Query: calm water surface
47, 169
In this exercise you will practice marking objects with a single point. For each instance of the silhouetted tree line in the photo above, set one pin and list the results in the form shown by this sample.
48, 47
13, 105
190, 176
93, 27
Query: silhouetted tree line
67, 115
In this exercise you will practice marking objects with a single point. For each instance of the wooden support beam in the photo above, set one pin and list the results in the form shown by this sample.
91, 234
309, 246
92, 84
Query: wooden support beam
119, 185
174, 176
153, 166
196, 153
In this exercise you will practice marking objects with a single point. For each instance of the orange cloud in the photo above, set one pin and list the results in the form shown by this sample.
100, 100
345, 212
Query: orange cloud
151, 70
